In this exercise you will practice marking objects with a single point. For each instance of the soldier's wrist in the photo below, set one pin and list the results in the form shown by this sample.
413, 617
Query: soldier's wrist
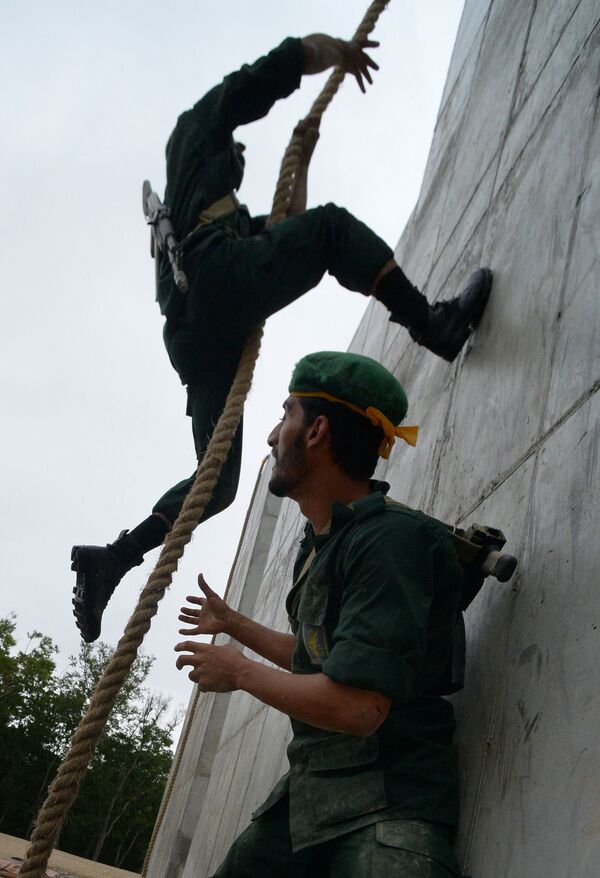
244, 673
232, 623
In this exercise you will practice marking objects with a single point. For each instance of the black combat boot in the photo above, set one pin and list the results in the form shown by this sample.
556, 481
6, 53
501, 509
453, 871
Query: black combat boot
101, 568
99, 571
450, 323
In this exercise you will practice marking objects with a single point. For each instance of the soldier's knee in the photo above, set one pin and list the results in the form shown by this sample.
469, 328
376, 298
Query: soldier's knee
334, 212
331, 216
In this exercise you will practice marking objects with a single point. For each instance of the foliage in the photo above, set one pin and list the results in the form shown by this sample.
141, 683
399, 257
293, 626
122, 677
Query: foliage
114, 814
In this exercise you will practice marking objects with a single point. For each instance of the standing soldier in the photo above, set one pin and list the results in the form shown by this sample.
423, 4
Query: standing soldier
239, 273
372, 786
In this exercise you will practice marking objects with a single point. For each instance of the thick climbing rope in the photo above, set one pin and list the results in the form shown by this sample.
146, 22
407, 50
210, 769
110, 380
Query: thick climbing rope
63, 790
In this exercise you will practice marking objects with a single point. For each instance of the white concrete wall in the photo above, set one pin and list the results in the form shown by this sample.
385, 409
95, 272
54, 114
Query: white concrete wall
509, 437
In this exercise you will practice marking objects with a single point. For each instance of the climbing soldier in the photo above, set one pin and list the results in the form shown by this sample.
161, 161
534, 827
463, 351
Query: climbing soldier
239, 273
372, 786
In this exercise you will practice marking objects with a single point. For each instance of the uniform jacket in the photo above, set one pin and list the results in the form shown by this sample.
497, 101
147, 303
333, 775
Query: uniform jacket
203, 164
376, 610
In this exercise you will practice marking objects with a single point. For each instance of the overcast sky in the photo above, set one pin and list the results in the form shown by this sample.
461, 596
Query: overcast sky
94, 426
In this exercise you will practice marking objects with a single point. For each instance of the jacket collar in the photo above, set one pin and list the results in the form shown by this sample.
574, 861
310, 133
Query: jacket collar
371, 504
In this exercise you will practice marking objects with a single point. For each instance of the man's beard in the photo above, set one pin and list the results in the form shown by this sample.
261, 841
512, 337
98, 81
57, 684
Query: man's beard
289, 469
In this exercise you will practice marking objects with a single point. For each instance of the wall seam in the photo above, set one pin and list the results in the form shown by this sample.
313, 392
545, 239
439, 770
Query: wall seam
460, 71
550, 54
533, 449
498, 154
437, 255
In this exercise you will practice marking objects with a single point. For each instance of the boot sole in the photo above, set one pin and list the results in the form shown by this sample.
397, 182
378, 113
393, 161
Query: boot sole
483, 297
88, 629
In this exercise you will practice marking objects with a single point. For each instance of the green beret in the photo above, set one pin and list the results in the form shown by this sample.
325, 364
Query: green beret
351, 378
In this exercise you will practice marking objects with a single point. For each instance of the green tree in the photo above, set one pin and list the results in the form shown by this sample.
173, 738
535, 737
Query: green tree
29, 746
114, 814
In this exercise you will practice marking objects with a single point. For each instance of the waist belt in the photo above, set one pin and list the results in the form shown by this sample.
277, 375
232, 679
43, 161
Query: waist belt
223, 207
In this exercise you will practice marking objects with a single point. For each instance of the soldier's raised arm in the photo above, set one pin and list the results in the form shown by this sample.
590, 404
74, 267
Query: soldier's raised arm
249, 93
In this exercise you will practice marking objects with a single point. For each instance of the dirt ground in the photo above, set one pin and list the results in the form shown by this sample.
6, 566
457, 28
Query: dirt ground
77, 866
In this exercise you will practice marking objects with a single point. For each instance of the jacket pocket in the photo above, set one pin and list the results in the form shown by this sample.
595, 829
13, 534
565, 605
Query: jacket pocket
426, 840
311, 615
343, 780
312, 607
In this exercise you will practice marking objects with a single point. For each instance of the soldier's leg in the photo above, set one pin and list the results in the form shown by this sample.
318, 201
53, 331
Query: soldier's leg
394, 849
205, 414
101, 568
264, 850
268, 271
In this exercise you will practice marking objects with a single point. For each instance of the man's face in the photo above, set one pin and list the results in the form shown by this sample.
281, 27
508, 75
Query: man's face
287, 442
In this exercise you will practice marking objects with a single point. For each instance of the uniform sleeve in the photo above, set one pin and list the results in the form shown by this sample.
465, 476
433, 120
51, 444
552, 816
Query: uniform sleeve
249, 93
380, 640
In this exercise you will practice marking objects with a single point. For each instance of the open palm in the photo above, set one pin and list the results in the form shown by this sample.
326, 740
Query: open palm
207, 615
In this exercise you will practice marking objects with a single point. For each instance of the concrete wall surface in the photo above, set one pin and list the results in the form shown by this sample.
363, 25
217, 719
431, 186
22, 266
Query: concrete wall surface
509, 437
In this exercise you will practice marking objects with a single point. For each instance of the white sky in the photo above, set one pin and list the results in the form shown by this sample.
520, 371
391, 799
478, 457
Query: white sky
94, 426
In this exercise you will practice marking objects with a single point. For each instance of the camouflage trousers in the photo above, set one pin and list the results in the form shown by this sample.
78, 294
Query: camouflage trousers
388, 849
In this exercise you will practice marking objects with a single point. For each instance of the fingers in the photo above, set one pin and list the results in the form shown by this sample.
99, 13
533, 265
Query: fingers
362, 69
361, 45
194, 659
204, 586
368, 61
358, 63
195, 651
190, 617
191, 612
191, 646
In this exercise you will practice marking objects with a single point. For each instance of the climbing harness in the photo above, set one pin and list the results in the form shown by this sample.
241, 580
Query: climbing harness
63, 790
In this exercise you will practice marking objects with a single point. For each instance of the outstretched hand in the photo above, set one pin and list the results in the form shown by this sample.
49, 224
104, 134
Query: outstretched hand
356, 61
213, 668
322, 51
209, 615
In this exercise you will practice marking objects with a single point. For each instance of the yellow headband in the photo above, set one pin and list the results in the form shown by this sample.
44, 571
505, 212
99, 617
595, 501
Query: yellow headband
408, 434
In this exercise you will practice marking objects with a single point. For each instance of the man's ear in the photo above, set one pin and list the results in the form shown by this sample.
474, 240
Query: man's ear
317, 433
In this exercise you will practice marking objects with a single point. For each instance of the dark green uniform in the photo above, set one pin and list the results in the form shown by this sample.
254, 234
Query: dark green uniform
376, 610
239, 273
